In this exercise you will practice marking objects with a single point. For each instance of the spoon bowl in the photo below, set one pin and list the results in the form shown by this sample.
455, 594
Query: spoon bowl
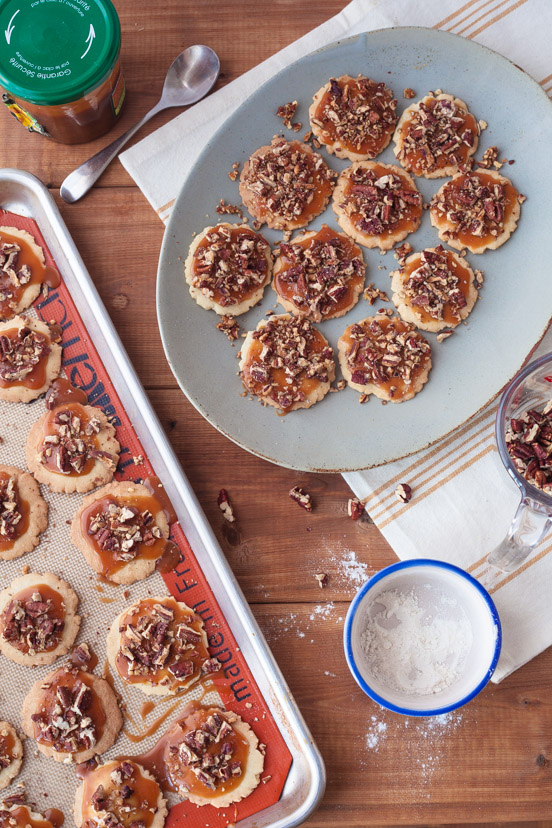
189, 78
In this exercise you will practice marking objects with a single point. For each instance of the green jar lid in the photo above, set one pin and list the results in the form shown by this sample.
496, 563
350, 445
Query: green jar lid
54, 51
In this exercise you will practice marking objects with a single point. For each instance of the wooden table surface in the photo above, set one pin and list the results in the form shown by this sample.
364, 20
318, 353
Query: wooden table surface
486, 764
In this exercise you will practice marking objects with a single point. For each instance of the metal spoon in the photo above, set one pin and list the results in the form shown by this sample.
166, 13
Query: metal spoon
191, 75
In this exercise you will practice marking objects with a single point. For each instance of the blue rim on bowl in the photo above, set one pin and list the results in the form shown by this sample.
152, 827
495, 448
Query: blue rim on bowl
355, 604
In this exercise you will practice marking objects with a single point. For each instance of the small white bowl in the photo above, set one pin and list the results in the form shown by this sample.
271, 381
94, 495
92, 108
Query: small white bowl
466, 593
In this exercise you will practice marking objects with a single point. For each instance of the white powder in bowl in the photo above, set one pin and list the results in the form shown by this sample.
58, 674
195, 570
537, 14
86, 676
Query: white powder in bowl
416, 642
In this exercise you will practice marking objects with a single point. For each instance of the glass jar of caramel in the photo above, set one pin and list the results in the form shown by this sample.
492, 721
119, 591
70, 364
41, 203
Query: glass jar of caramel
60, 68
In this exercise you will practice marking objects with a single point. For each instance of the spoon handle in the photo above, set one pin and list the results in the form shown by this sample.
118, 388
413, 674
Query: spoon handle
82, 178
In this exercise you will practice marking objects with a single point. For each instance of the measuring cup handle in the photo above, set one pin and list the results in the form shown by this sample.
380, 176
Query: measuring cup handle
529, 526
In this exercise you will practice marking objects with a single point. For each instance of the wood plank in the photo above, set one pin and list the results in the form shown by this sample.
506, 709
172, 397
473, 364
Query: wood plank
490, 758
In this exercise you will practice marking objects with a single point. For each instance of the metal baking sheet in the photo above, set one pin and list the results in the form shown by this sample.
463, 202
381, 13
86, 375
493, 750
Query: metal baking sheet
25, 195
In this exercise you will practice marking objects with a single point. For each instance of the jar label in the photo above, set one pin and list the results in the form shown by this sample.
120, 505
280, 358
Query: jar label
24, 117
118, 93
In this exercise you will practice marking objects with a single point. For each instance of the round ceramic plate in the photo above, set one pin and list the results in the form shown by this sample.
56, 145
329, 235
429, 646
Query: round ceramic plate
470, 367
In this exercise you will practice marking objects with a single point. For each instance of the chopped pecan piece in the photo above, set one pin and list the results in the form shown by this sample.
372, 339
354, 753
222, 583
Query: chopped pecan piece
372, 294
323, 579
225, 506
301, 497
286, 112
529, 442
408, 93
224, 209
10, 509
489, 159
403, 492
229, 326
355, 508
67, 725
402, 251
444, 335
13, 277
32, 625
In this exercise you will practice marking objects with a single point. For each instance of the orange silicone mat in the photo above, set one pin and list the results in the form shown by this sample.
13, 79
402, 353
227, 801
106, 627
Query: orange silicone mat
51, 784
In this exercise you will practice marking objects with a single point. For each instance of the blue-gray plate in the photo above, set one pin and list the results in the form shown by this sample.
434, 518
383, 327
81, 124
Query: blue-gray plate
470, 367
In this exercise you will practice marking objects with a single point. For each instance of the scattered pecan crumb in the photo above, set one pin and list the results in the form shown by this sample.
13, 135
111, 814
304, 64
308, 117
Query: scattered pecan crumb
363, 398
265, 779
322, 578
386, 311
403, 492
444, 335
489, 159
307, 136
408, 93
297, 126
286, 112
301, 497
229, 326
339, 386
287, 235
234, 173
269, 312
316, 143
256, 224
228, 209
355, 508
522, 198
225, 506
371, 293
26, 569
478, 278
528, 439
402, 251
138, 459
483, 124
126, 593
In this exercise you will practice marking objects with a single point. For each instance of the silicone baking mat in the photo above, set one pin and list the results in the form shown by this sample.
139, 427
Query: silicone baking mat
52, 784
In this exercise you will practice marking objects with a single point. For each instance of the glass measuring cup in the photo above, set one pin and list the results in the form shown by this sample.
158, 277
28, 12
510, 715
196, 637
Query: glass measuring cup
531, 388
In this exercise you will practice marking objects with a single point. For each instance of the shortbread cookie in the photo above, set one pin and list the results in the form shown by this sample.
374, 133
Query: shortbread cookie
227, 268
287, 363
72, 714
212, 757
385, 357
23, 513
72, 448
477, 210
377, 204
122, 531
159, 645
353, 117
30, 359
434, 289
38, 619
436, 136
285, 184
11, 754
22, 266
319, 275
119, 793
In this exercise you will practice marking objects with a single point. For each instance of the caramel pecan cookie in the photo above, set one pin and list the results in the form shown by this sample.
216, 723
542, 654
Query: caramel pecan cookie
23, 513
122, 531
38, 619
30, 359
377, 204
72, 715
119, 793
11, 754
434, 289
353, 117
385, 357
287, 363
21, 271
227, 268
319, 275
14, 813
212, 757
478, 210
160, 646
285, 184
436, 136
72, 448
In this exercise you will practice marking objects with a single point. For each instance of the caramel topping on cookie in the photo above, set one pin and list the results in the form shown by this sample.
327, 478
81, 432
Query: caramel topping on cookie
287, 360
162, 642
230, 264
122, 528
23, 356
21, 816
22, 271
70, 716
380, 202
7, 745
119, 794
436, 284
320, 275
286, 184
475, 209
69, 444
437, 132
357, 114
34, 620
14, 512
388, 353
205, 753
